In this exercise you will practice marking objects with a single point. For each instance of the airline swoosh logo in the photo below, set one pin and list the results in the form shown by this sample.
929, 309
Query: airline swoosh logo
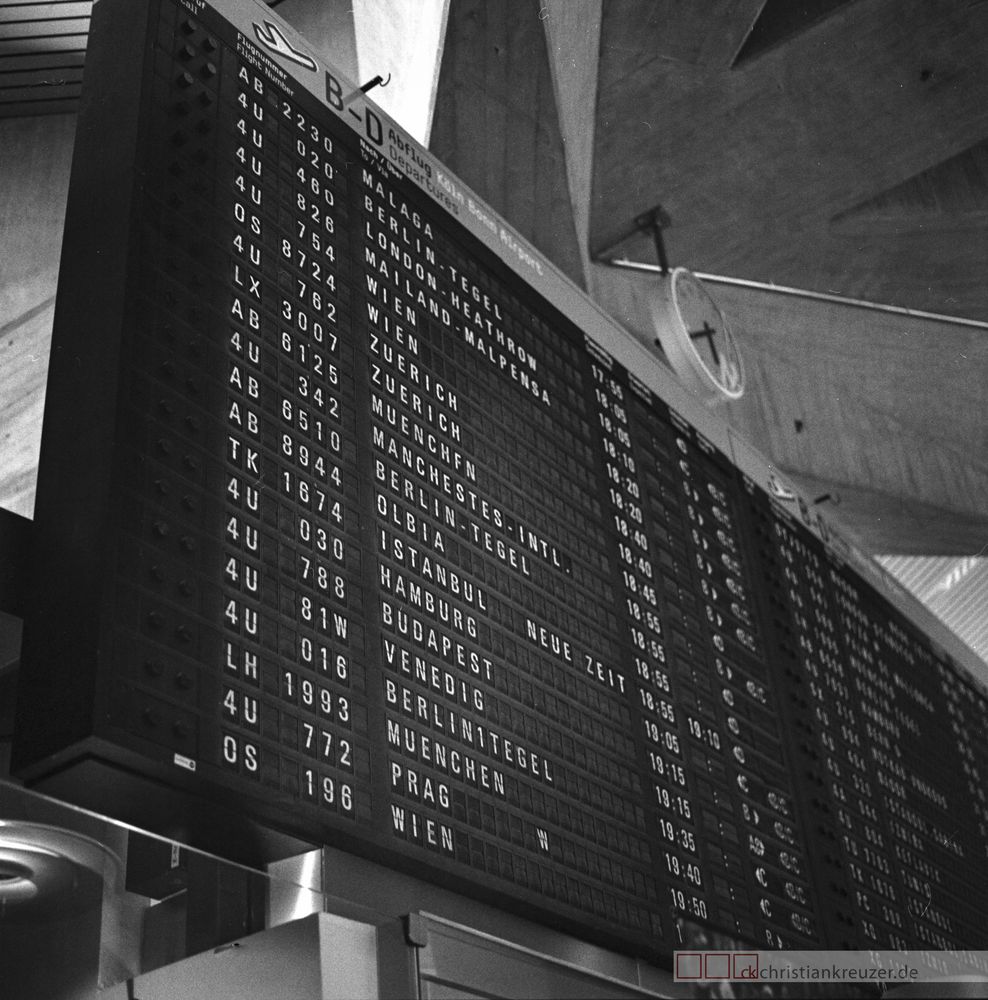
779, 490
270, 37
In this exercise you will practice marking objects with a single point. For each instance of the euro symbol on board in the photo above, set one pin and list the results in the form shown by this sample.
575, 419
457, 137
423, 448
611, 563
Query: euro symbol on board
270, 37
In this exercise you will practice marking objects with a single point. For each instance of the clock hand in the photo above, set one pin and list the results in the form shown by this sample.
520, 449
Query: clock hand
708, 332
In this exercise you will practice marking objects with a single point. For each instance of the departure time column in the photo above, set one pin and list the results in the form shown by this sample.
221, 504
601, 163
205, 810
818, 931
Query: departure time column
679, 870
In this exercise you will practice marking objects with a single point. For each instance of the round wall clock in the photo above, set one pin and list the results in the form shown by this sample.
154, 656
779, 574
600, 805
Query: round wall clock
696, 337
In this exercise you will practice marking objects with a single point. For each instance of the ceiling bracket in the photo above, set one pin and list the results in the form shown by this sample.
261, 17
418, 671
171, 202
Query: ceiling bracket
377, 81
655, 220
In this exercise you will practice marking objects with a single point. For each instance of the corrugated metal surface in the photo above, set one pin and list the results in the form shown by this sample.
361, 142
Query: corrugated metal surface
955, 590
42, 51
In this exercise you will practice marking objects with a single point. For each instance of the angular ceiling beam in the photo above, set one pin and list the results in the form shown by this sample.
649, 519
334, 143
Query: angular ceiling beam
947, 195
497, 124
573, 38
753, 163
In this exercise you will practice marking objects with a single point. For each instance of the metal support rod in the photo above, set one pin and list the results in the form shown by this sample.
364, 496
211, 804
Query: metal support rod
804, 293
376, 81
368, 86
655, 219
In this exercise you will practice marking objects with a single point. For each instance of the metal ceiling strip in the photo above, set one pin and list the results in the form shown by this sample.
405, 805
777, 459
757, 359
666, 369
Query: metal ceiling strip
41, 76
25, 61
34, 46
34, 109
41, 92
46, 29
45, 11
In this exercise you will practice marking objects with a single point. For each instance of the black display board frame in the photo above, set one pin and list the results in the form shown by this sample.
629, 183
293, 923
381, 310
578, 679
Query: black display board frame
717, 514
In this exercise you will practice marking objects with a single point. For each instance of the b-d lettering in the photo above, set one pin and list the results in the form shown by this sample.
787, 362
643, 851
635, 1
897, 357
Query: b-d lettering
373, 128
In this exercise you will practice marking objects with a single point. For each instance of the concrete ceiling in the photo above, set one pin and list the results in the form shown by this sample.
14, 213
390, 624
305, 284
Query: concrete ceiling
847, 156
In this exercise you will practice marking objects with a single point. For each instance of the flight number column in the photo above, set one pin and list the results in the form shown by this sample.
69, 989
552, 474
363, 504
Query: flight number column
318, 475
249, 722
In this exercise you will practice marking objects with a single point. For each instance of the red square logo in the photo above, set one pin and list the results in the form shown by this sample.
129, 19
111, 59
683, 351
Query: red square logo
689, 965
717, 965
745, 965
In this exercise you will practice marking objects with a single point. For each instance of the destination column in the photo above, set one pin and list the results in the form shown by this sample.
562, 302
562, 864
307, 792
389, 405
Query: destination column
503, 702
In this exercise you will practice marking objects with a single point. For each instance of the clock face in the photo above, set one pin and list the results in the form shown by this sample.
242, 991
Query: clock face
705, 335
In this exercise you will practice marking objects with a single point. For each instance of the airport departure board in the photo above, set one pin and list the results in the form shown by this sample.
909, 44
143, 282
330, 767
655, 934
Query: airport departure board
356, 517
